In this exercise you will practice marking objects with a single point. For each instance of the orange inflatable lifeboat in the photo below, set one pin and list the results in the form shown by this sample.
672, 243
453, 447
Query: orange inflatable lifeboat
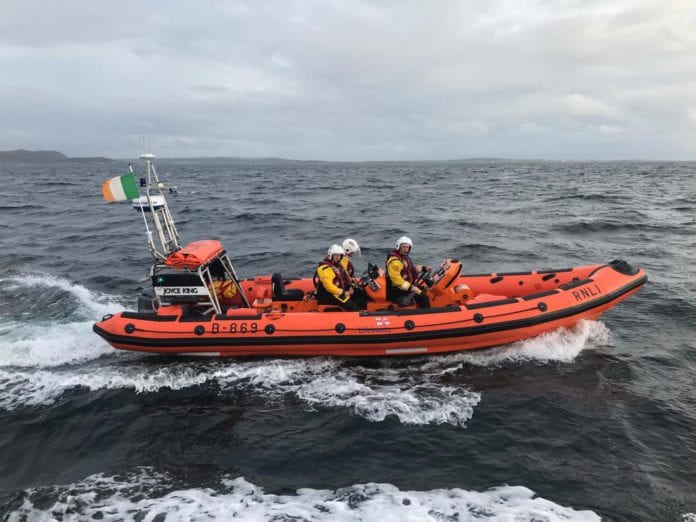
200, 306
276, 316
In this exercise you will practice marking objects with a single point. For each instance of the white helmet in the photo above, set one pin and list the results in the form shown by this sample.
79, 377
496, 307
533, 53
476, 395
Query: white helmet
351, 246
336, 249
402, 240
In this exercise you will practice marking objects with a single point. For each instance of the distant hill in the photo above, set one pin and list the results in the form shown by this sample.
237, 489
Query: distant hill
43, 156
272, 160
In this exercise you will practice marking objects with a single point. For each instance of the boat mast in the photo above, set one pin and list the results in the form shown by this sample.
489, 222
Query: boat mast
162, 236
159, 212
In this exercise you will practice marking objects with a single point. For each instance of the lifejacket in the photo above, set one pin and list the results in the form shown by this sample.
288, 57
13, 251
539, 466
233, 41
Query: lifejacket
348, 265
408, 272
341, 280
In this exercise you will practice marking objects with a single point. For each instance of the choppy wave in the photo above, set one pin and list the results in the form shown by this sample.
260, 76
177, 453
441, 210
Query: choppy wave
147, 495
39, 341
91, 304
21, 207
598, 226
586, 197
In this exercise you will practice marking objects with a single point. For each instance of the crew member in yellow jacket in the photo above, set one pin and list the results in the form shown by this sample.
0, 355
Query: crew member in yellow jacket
402, 274
227, 292
333, 283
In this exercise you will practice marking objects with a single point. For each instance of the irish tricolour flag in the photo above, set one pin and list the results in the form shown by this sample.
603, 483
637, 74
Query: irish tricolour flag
120, 188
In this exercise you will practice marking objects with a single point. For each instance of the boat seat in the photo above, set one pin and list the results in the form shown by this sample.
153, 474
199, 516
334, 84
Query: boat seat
193, 314
281, 294
261, 304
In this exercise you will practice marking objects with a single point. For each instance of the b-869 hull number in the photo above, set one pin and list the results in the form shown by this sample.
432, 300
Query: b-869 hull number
243, 327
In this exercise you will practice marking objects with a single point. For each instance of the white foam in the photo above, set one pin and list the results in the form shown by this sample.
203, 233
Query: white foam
319, 383
412, 404
561, 345
372, 394
33, 387
39, 346
139, 495
19, 389
43, 387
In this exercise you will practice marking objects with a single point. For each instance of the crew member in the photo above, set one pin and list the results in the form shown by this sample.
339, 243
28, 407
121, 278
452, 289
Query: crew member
333, 282
226, 290
402, 275
350, 246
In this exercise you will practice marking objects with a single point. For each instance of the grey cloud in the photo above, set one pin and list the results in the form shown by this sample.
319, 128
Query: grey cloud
351, 79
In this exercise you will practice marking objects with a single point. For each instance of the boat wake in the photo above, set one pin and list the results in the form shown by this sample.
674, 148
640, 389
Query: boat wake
562, 345
41, 361
147, 495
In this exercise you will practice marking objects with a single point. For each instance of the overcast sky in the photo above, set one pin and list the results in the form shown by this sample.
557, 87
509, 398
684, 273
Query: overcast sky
352, 79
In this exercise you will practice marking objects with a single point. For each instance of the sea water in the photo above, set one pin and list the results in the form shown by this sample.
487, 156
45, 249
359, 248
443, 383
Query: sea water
593, 422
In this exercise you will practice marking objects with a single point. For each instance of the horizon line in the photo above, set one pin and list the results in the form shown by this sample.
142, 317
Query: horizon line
279, 158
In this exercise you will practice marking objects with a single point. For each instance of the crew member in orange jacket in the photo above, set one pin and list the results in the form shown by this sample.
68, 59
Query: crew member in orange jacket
402, 274
333, 282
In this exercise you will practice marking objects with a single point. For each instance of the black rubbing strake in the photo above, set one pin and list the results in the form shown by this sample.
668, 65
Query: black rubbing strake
148, 316
488, 304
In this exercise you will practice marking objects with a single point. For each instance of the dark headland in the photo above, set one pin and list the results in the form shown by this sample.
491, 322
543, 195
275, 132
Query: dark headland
43, 156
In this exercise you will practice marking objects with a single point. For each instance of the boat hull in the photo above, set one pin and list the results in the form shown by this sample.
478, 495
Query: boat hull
560, 301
